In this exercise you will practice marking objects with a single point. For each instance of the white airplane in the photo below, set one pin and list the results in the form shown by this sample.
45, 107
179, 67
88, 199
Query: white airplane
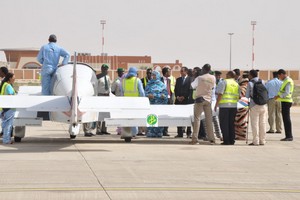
74, 101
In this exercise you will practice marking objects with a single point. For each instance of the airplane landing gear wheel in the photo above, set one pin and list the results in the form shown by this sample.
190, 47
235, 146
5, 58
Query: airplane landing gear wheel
72, 136
19, 133
17, 139
128, 139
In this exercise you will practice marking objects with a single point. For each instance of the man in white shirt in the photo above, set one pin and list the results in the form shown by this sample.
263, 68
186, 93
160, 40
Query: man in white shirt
258, 113
204, 85
116, 85
274, 107
104, 86
166, 71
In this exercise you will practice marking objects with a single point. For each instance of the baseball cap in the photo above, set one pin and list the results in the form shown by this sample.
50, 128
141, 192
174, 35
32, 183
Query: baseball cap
120, 69
105, 66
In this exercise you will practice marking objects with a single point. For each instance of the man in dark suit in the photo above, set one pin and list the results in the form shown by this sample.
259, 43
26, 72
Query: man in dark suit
182, 93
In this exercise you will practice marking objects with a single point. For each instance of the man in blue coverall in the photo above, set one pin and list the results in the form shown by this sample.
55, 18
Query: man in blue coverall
49, 56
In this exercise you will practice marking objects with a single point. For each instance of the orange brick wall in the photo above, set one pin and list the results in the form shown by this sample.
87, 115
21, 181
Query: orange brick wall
32, 74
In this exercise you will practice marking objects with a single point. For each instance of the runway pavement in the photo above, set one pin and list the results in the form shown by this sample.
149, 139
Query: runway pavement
48, 165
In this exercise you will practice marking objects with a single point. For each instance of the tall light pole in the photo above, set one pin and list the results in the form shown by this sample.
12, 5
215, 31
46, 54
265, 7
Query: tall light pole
102, 22
253, 23
230, 35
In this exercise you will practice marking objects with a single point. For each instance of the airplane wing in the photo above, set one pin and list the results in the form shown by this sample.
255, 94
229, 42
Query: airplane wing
62, 104
159, 110
108, 104
118, 111
168, 115
130, 111
30, 90
36, 103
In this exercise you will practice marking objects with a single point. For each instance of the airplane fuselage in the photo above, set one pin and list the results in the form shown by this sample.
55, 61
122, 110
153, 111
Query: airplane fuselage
83, 84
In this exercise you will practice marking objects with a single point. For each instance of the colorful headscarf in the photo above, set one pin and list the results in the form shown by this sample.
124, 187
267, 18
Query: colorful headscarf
157, 88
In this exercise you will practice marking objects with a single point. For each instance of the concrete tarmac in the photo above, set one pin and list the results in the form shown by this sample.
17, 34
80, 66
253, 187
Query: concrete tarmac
48, 165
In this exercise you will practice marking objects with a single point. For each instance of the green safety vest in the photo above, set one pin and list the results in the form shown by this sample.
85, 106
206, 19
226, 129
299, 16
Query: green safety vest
130, 87
145, 82
172, 84
194, 94
3, 90
288, 98
231, 93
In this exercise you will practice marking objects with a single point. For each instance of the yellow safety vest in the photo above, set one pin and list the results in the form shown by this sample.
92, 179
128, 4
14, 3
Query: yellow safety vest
172, 84
288, 98
231, 93
194, 94
3, 90
130, 87
145, 82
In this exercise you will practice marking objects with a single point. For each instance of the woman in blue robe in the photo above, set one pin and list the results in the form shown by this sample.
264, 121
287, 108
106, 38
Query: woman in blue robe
157, 93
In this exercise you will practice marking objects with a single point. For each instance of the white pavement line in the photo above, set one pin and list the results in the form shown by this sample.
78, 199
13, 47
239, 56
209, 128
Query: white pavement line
153, 189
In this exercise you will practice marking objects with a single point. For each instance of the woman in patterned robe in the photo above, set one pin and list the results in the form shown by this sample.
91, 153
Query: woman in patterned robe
157, 93
241, 119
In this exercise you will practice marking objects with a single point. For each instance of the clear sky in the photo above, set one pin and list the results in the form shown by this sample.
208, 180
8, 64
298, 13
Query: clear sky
193, 31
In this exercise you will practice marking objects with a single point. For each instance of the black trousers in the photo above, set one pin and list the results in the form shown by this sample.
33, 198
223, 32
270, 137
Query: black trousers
170, 102
227, 118
286, 117
202, 131
181, 129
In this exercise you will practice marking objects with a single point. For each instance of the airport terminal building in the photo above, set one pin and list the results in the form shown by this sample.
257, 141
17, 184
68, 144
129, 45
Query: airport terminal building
23, 63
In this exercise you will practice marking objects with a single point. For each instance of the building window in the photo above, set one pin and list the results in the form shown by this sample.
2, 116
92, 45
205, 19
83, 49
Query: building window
176, 68
31, 66
157, 68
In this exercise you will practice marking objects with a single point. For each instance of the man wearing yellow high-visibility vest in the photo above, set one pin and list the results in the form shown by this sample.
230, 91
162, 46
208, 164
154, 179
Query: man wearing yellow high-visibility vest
132, 87
147, 77
285, 97
228, 95
173, 83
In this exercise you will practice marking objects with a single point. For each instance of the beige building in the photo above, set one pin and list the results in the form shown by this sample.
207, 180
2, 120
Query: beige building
25, 66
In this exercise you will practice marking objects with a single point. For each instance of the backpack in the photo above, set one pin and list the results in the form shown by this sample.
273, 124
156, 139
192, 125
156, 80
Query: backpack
260, 93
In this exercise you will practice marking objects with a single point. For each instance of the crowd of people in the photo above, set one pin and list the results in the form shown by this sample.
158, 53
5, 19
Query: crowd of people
218, 98
199, 86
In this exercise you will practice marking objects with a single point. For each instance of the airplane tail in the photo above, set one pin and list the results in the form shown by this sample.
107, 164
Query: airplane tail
74, 97
74, 112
